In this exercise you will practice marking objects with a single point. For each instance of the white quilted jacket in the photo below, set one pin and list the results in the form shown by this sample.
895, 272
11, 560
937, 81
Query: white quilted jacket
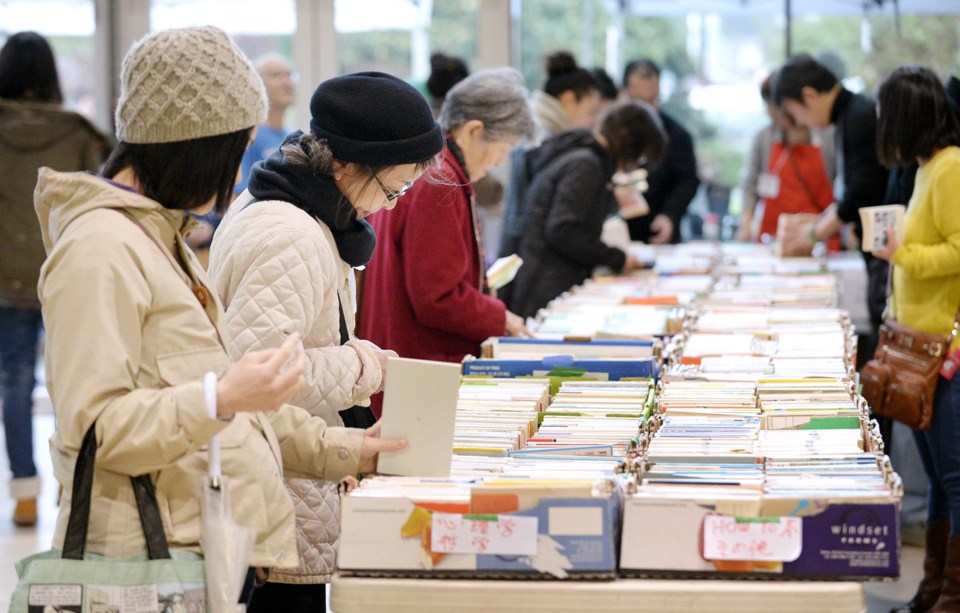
278, 271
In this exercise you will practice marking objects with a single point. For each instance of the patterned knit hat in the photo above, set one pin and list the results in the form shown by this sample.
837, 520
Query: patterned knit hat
187, 83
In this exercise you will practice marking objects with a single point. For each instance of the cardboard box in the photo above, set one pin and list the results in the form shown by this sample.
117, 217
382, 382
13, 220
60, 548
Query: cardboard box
855, 539
577, 536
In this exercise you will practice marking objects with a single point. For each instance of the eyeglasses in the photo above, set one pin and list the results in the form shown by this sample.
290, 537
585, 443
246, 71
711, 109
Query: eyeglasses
389, 193
280, 75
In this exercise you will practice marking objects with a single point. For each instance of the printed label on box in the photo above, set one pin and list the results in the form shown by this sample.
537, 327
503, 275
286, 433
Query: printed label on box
484, 534
727, 537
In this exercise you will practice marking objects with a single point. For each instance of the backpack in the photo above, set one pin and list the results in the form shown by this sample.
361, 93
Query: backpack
515, 212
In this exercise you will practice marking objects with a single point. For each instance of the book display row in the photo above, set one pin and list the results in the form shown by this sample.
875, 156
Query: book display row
697, 420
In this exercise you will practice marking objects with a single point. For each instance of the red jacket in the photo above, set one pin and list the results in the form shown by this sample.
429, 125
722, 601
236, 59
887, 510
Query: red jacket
422, 291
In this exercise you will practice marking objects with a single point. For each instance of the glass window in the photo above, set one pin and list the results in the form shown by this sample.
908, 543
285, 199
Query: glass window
734, 52
398, 36
68, 25
577, 26
256, 29
258, 32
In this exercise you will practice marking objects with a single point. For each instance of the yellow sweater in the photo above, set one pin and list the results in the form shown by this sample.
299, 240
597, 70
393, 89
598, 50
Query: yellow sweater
926, 278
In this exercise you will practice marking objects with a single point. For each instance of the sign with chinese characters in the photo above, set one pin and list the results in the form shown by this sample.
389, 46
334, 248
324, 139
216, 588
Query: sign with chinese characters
509, 535
773, 539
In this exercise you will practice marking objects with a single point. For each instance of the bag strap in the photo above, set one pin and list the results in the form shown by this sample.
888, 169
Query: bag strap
344, 333
75, 541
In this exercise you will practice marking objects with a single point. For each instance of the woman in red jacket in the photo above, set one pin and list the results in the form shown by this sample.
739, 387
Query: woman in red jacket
424, 291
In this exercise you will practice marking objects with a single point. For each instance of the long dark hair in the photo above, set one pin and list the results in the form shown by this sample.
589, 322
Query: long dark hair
633, 135
184, 174
915, 119
28, 70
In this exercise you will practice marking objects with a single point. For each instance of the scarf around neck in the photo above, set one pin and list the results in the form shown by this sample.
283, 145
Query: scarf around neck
276, 179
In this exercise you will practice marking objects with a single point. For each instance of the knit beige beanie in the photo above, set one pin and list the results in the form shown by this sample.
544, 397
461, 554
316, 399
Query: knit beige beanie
187, 83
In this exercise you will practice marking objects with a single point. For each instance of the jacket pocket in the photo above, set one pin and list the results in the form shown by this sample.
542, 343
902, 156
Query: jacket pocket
909, 398
191, 365
874, 377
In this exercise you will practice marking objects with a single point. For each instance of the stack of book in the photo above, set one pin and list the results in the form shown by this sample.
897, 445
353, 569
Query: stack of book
679, 397
787, 403
594, 418
495, 416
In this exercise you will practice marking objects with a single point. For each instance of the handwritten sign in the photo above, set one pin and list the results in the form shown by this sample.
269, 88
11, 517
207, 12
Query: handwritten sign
509, 535
773, 539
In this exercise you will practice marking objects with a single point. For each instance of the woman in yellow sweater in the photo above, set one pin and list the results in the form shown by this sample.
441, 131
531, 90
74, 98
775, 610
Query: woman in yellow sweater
916, 123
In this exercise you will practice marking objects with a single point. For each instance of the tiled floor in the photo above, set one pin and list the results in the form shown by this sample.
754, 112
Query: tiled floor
16, 543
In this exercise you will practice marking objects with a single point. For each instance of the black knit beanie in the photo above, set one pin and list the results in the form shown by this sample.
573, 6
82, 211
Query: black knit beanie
374, 119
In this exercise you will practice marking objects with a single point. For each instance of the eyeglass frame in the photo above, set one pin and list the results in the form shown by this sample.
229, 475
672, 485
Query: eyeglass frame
389, 193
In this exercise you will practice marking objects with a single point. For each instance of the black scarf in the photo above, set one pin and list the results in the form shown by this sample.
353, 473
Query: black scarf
318, 195
457, 153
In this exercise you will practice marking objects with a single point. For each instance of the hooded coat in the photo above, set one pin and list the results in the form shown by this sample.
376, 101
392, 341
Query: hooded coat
567, 203
127, 347
34, 134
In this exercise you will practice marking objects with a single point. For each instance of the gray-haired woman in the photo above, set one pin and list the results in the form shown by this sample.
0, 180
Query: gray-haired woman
424, 292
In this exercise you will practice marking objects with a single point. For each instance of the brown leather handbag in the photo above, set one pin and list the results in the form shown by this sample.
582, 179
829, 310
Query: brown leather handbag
901, 380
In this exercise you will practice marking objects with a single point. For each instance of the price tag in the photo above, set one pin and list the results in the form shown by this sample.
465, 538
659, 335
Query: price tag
768, 185
508, 535
772, 539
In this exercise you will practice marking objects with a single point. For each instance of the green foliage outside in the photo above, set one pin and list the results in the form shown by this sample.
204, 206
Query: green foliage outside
453, 31
549, 25
581, 26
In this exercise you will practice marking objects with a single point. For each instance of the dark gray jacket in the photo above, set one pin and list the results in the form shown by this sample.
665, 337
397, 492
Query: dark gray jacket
567, 203
34, 134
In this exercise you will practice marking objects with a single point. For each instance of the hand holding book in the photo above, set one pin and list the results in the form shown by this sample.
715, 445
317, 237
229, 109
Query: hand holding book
876, 221
891, 245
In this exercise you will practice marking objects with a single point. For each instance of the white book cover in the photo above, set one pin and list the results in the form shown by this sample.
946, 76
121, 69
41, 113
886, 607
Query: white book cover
420, 405
876, 220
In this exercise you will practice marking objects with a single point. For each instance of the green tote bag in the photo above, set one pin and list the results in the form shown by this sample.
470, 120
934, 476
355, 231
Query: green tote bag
71, 580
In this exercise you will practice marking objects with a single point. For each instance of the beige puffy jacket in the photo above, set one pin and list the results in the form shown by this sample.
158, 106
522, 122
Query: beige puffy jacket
278, 270
127, 346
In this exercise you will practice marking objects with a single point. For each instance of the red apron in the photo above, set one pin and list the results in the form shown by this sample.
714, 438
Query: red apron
804, 186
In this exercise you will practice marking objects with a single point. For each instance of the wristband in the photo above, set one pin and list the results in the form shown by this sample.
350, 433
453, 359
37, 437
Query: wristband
210, 394
210, 397
812, 234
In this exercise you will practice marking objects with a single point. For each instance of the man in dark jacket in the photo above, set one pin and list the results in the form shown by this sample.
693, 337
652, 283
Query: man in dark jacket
673, 182
811, 93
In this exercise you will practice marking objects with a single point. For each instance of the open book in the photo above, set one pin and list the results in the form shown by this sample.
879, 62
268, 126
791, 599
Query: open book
876, 220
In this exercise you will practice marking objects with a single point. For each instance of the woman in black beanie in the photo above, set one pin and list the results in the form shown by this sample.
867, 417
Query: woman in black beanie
283, 260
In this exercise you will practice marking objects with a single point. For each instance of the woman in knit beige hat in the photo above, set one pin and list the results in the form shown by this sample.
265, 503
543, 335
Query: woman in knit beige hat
134, 324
